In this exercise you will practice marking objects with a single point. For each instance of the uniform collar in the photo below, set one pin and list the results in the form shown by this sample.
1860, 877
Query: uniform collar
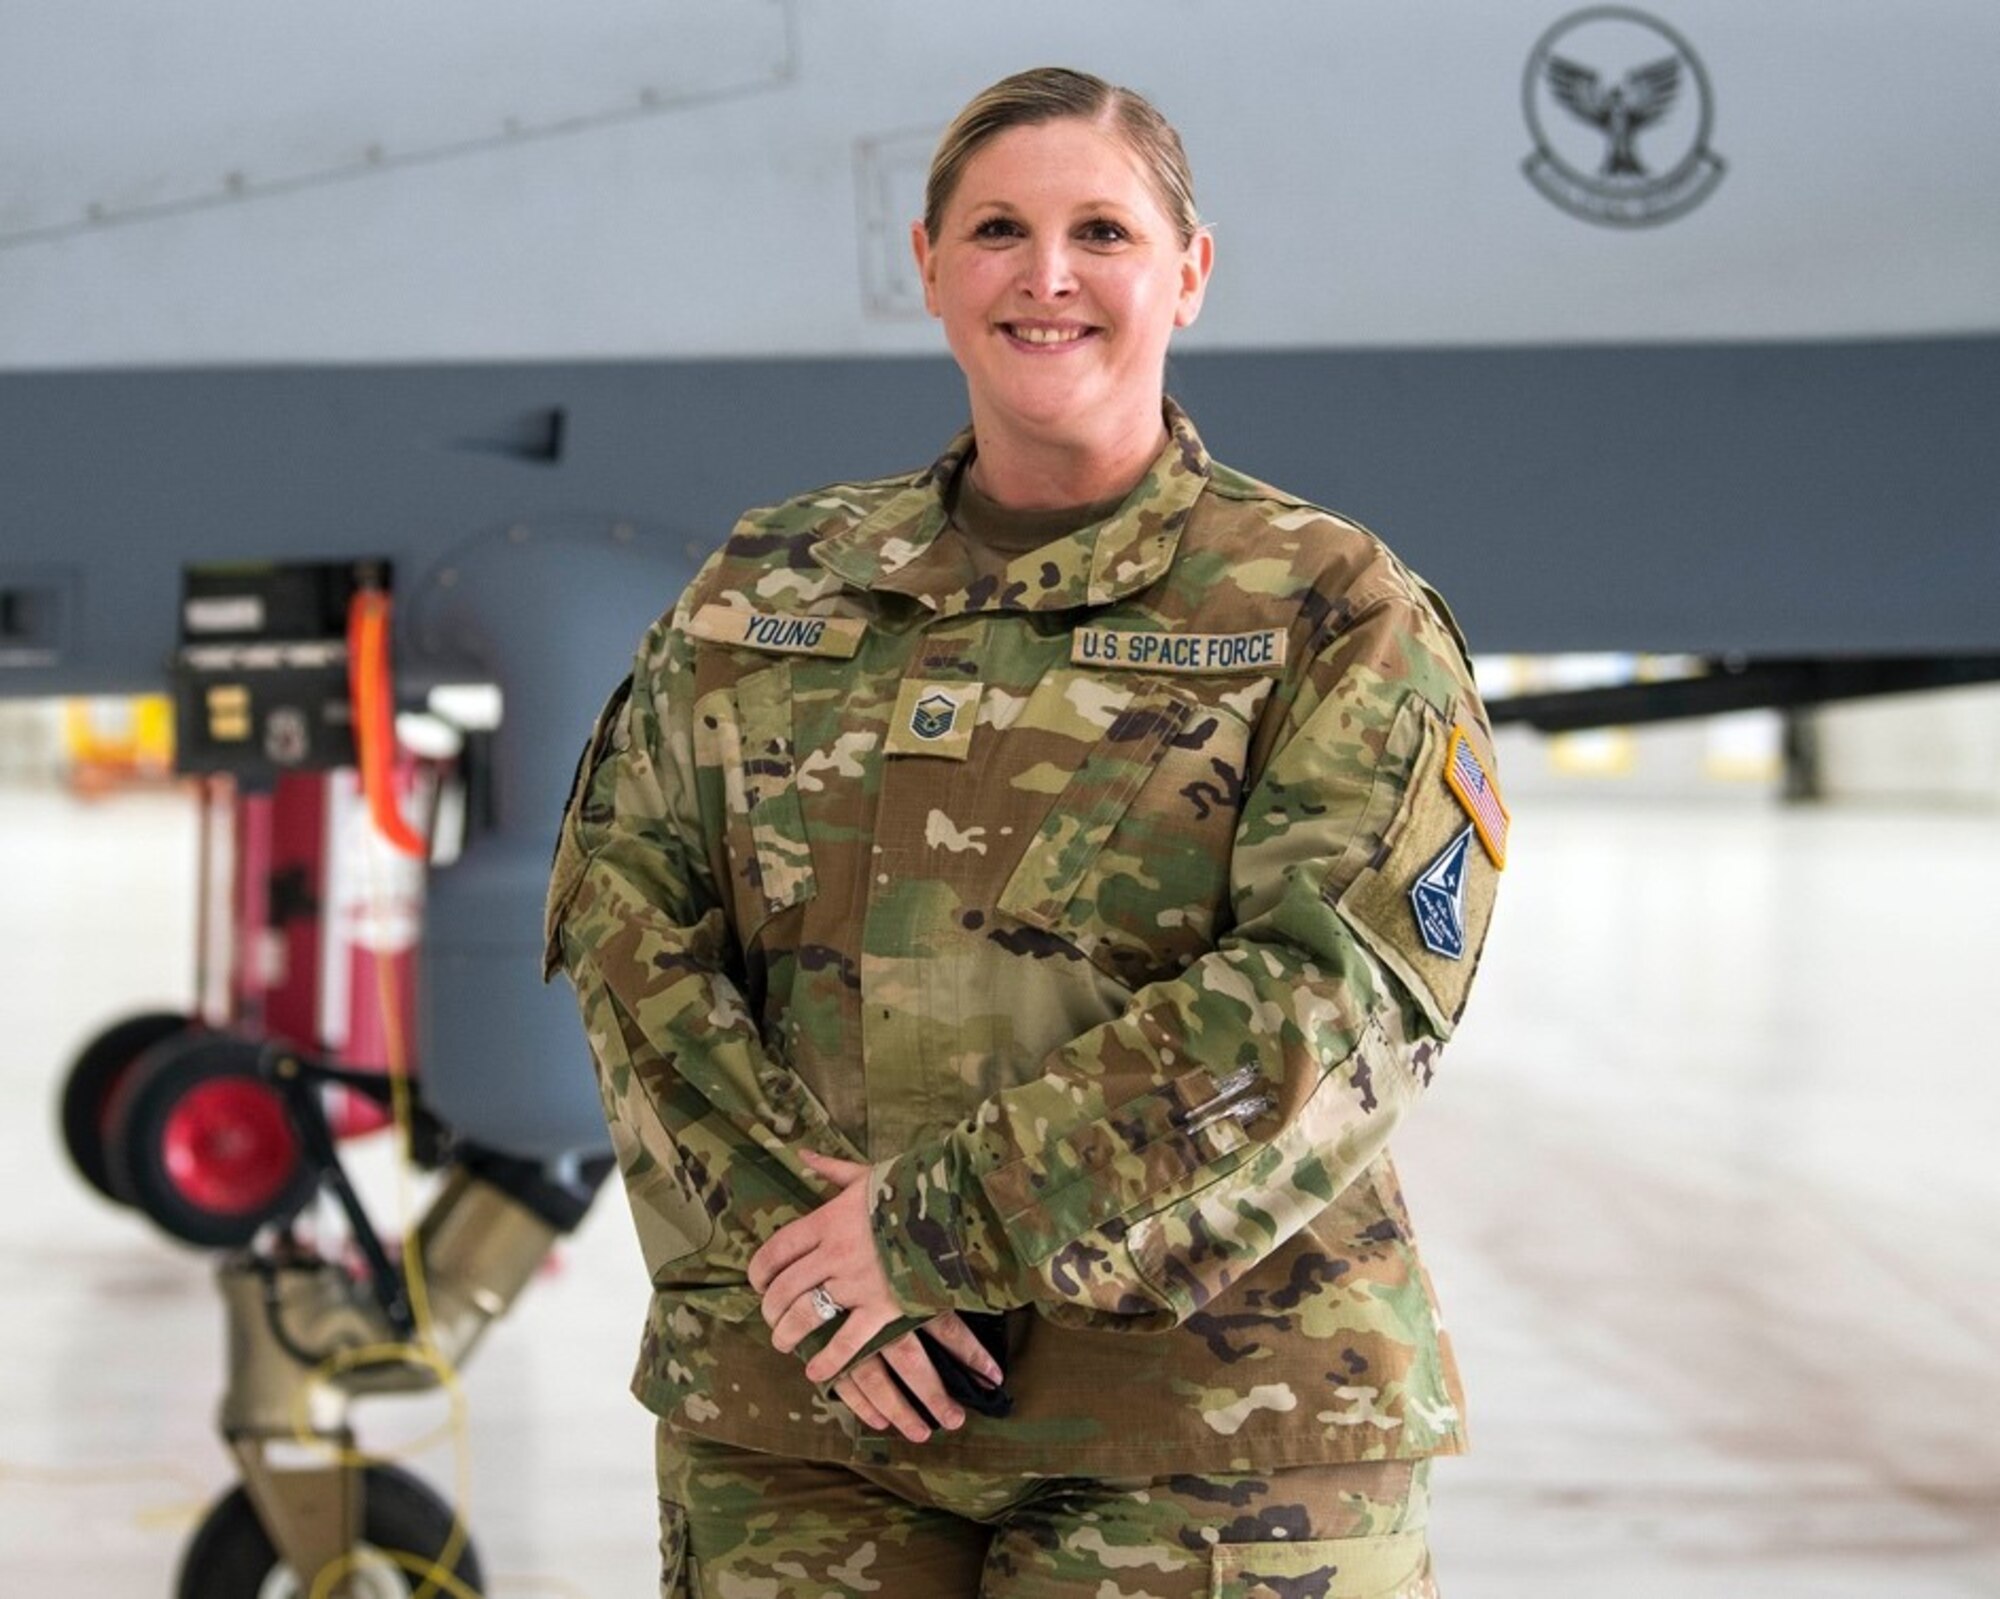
896, 549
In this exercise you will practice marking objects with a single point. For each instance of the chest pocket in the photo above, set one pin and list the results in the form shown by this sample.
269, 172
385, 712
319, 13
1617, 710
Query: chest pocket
770, 857
1131, 863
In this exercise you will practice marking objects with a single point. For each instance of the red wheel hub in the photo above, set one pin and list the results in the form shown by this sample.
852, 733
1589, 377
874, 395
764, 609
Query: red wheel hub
228, 1147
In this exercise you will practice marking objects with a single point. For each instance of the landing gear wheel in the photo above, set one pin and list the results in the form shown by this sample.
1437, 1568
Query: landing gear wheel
94, 1077
404, 1528
201, 1143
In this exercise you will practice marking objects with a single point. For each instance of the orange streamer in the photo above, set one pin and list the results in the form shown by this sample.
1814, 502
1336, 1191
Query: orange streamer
371, 692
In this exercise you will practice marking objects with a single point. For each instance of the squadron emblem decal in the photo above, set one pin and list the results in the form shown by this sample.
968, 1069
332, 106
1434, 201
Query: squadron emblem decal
1620, 109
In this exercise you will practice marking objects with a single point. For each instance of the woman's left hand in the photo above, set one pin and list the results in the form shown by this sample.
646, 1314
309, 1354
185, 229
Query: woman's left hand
834, 1249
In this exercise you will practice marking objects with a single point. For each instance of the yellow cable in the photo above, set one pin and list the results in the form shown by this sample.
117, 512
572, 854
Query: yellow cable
89, 1476
178, 1513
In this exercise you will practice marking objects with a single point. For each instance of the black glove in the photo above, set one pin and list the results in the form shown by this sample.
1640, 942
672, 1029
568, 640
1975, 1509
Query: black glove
958, 1379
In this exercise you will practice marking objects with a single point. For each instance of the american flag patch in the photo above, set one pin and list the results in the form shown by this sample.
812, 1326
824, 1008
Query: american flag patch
1477, 793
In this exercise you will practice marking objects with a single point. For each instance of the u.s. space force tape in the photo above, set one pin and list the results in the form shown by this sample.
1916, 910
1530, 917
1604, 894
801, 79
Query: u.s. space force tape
838, 636
1262, 651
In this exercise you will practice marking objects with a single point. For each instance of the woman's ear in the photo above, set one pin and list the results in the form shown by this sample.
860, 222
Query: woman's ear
920, 247
1196, 263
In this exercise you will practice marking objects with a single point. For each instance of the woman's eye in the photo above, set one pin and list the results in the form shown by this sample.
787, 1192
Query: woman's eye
1104, 232
996, 228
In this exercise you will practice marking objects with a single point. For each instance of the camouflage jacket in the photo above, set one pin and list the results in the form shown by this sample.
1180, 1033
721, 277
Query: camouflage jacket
1115, 908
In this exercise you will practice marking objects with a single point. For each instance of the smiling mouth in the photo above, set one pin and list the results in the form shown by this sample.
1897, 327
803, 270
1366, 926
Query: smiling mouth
1045, 337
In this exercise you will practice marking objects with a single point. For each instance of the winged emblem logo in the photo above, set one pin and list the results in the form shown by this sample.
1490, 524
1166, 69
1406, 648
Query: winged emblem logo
1621, 110
1646, 94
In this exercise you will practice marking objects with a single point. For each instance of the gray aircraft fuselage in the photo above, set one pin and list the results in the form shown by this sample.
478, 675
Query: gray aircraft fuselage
1733, 499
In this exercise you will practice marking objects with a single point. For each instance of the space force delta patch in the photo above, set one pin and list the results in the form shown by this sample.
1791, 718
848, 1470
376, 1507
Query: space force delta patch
1438, 898
837, 636
1262, 651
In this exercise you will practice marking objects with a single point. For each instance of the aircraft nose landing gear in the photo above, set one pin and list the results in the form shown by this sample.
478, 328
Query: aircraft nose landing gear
307, 1336
408, 1537
224, 1142
217, 1126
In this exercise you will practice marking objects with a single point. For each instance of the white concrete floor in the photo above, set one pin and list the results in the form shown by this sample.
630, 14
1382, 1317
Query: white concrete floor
1708, 1183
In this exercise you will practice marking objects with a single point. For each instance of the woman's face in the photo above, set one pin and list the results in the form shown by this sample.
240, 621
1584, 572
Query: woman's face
1059, 279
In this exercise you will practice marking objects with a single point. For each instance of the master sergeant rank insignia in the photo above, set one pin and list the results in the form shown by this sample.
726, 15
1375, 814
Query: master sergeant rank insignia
933, 715
933, 718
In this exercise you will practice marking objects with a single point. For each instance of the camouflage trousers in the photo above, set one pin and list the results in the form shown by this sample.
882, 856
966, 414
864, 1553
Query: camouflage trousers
735, 1524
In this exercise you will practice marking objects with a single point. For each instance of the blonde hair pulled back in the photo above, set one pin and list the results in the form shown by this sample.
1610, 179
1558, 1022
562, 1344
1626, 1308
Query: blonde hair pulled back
1051, 94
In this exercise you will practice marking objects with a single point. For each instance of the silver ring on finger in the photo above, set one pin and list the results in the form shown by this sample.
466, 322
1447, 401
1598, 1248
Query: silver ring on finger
824, 1305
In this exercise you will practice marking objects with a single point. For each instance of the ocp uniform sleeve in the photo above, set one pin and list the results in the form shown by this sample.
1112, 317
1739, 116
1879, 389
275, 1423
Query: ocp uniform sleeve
704, 1121
1160, 1156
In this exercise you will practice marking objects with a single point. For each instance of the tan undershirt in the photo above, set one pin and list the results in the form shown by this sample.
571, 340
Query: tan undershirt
995, 535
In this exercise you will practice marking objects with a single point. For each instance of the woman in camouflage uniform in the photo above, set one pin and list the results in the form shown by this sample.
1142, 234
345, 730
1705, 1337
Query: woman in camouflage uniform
1018, 898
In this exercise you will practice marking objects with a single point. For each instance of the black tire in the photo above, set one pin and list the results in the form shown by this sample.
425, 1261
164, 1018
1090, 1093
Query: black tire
94, 1076
232, 1557
197, 1140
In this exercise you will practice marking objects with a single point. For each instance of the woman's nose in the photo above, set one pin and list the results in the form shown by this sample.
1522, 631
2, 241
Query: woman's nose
1047, 273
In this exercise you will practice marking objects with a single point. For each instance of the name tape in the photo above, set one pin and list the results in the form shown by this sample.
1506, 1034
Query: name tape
1262, 651
837, 636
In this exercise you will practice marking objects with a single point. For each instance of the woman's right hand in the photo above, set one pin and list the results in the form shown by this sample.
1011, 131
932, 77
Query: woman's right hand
871, 1393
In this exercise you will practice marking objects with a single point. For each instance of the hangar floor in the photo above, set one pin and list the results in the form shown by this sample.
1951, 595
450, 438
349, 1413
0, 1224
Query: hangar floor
1708, 1185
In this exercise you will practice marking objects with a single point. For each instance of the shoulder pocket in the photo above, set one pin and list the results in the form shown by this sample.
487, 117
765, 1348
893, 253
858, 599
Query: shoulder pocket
566, 869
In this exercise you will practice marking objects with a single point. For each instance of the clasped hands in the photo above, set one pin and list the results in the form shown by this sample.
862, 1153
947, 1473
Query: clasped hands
832, 1250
